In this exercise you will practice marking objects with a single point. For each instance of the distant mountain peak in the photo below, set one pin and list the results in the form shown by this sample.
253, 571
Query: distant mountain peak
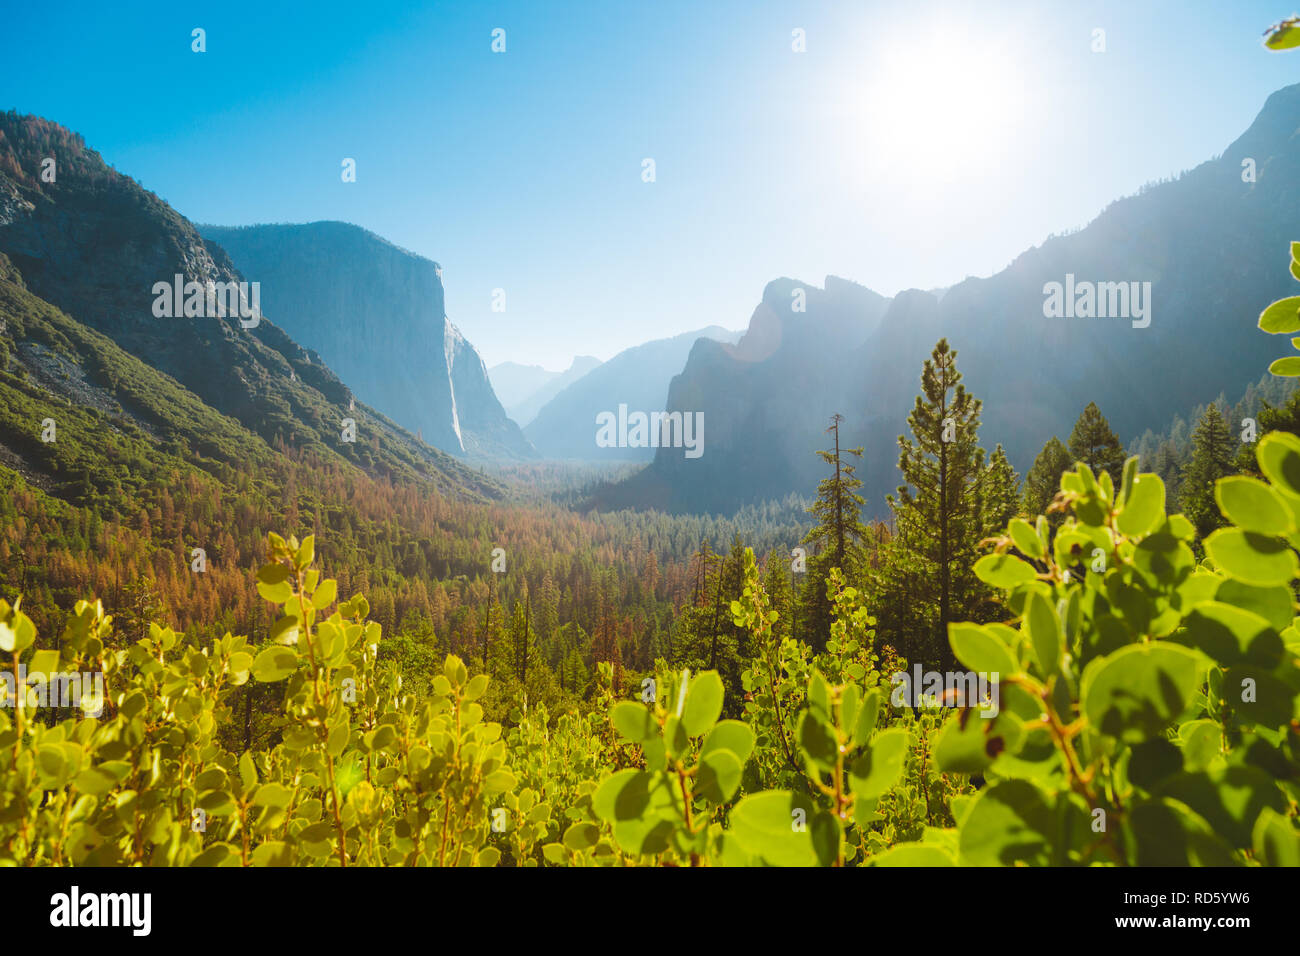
376, 312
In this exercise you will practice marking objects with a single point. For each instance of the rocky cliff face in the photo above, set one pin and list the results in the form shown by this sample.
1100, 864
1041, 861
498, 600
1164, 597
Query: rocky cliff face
94, 243
376, 313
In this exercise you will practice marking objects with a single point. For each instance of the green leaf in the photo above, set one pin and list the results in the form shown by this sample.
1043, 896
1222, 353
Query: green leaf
969, 743
581, 835
634, 721
1152, 761
1202, 742
274, 663
1140, 690
1025, 538
1275, 839
1010, 822
1231, 635
868, 714
1003, 571
1144, 509
1286, 38
718, 776
1275, 604
733, 735
324, 595
1279, 459
1168, 833
641, 808
1250, 557
306, 551
555, 853
1282, 317
880, 765
777, 825
1230, 799
816, 739
272, 853
273, 583
475, 688
913, 854
272, 795
1252, 505
981, 651
1287, 367
1044, 633
703, 703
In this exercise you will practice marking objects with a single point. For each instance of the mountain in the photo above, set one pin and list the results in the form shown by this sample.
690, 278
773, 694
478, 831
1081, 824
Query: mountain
565, 427
375, 313
525, 408
94, 245
513, 382
1213, 247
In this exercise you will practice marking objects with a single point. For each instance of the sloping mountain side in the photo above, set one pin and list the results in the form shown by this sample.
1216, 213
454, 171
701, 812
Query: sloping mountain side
524, 409
1149, 310
638, 377
376, 313
99, 247
87, 422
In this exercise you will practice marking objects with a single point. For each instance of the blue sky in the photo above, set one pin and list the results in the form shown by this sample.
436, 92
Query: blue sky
910, 145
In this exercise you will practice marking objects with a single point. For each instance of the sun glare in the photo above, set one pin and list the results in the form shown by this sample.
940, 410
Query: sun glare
941, 102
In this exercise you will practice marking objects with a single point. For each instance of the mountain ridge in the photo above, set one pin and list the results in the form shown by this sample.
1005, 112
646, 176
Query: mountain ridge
1211, 244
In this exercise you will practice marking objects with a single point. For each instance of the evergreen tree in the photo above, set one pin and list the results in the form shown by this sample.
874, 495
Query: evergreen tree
839, 532
938, 513
1093, 443
1212, 453
838, 508
1044, 479
999, 494
523, 640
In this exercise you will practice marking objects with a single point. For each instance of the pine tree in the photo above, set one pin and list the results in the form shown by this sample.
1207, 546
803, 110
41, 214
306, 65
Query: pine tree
523, 640
1044, 478
1093, 443
840, 533
1212, 453
999, 494
838, 508
937, 513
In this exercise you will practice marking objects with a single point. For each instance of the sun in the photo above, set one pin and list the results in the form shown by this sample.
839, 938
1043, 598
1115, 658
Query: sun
942, 101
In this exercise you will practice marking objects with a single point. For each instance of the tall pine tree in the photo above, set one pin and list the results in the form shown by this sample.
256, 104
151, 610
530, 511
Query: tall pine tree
926, 582
1093, 443
1212, 459
839, 533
